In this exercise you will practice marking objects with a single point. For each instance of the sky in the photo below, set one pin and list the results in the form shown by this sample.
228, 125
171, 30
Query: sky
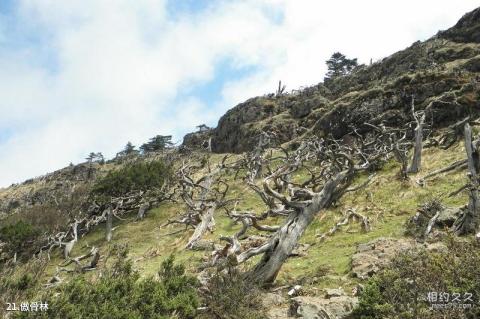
78, 76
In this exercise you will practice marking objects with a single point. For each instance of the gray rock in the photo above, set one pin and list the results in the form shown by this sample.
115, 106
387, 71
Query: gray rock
447, 217
272, 299
334, 292
308, 307
376, 254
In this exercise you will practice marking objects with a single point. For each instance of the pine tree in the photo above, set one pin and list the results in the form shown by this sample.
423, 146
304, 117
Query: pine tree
339, 65
157, 143
129, 149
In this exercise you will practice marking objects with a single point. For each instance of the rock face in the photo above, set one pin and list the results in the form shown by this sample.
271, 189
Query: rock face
307, 307
441, 73
197, 140
467, 28
239, 128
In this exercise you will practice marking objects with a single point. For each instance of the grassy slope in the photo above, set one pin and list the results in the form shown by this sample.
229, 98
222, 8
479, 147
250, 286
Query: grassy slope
386, 200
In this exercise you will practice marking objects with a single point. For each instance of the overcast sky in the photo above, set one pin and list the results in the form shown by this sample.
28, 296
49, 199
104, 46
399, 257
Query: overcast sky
89, 75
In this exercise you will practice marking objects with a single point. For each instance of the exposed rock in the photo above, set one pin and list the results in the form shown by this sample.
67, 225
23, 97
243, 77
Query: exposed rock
334, 292
234, 132
472, 65
300, 250
447, 217
378, 94
197, 140
467, 28
270, 299
418, 224
276, 304
294, 291
301, 108
376, 254
373, 256
308, 307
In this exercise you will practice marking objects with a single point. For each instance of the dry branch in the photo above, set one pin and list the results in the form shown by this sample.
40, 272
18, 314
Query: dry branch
346, 218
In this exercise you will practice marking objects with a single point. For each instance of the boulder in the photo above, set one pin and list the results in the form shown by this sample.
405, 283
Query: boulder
447, 217
308, 307
334, 292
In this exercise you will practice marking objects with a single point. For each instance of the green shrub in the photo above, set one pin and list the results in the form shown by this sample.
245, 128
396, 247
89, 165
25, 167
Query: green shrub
401, 290
119, 293
229, 296
134, 177
18, 235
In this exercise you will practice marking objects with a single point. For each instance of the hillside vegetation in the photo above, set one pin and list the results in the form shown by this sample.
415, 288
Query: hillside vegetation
304, 200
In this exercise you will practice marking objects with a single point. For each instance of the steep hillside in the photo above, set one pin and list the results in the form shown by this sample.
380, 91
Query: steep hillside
340, 148
441, 73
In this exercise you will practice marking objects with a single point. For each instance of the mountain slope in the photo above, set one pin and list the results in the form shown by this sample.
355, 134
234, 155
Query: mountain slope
442, 75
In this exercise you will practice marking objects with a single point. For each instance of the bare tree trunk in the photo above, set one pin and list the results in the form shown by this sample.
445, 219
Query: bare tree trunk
207, 223
209, 145
402, 159
286, 238
141, 211
108, 232
70, 244
469, 221
417, 150
203, 207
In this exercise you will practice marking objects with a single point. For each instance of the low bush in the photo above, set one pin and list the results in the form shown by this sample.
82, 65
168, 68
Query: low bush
419, 283
119, 293
229, 296
133, 177
18, 235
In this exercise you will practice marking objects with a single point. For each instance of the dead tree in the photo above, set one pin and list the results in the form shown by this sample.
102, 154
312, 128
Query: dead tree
69, 245
207, 145
94, 254
280, 89
142, 211
453, 133
417, 148
97, 214
460, 164
469, 221
108, 230
394, 140
255, 160
202, 197
351, 213
336, 166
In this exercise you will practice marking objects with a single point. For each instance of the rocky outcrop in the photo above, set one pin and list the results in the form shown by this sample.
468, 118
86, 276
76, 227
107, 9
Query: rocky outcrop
337, 307
375, 255
198, 140
238, 128
467, 28
441, 73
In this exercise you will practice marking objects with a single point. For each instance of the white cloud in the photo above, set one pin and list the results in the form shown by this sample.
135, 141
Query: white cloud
101, 73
